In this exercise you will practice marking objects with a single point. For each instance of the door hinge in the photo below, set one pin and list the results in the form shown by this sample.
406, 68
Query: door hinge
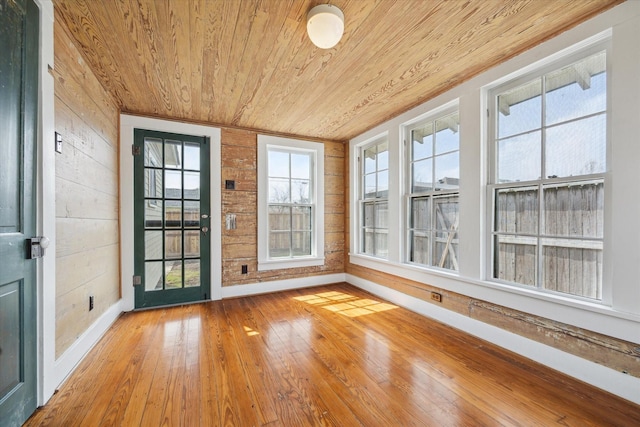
136, 150
137, 280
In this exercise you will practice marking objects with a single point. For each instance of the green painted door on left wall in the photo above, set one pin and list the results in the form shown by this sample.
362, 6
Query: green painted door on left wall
171, 218
19, 23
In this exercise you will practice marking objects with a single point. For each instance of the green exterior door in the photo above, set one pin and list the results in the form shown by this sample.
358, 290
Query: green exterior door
18, 124
171, 218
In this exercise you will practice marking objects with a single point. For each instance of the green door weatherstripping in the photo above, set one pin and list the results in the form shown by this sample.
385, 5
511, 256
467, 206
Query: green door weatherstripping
171, 218
19, 23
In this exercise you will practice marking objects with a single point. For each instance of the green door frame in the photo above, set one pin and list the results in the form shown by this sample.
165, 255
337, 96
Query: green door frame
147, 298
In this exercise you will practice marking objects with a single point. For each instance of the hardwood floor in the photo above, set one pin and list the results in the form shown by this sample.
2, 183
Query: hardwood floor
332, 355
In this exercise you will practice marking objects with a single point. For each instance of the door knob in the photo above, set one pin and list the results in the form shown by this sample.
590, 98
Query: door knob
36, 247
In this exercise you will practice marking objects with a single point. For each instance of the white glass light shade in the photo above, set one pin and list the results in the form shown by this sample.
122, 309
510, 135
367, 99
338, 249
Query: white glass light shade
325, 25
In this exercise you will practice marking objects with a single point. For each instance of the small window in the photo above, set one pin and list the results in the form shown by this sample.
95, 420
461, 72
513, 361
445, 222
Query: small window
550, 142
433, 180
374, 204
290, 192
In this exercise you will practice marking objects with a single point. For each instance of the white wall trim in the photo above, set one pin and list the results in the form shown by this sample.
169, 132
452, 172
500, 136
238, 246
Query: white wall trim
281, 285
316, 149
355, 176
127, 124
46, 210
66, 364
623, 385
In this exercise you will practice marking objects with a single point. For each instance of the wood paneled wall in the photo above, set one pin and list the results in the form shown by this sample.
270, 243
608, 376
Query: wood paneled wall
240, 246
616, 354
88, 257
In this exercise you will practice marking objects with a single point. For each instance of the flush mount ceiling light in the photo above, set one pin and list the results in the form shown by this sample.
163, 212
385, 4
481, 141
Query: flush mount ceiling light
325, 25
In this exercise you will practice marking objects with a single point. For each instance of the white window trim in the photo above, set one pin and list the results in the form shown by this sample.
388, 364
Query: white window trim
433, 115
359, 199
599, 43
317, 149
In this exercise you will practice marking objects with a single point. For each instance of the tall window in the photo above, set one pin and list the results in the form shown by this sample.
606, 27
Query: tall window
290, 203
548, 179
433, 153
290, 213
374, 204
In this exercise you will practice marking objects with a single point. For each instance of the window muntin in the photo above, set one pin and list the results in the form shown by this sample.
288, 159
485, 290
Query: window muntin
434, 164
290, 203
548, 195
374, 205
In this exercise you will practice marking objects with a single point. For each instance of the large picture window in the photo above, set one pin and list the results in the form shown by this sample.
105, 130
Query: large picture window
550, 143
433, 180
290, 216
374, 203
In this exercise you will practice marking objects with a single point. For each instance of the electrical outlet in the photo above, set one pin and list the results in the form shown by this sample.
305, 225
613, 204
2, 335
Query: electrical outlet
245, 269
90, 302
436, 296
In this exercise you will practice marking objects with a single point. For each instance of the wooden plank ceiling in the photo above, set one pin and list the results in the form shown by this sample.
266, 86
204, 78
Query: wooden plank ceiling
250, 64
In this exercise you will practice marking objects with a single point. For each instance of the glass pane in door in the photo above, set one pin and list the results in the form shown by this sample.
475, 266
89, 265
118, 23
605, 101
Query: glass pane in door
174, 203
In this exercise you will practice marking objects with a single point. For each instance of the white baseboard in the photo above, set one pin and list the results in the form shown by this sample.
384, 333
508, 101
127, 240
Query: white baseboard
281, 285
623, 385
67, 363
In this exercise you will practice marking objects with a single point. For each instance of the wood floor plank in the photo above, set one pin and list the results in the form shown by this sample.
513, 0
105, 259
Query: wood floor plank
256, 363
159, 389
194, 352
238, 403
175, 404
288, 389
303, 383
208, 381
132, 376
134, 411
344, 366
107, 369
397, 379
332, 355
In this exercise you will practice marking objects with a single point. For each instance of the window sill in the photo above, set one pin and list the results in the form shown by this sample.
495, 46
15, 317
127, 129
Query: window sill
265, 265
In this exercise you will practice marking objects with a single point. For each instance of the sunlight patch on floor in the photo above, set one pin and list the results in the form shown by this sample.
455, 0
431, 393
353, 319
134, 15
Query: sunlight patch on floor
250, 332
345, 304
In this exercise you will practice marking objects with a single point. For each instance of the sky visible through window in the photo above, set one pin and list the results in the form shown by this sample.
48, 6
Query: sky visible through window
575, 119
446, 165
191, 161
289, 177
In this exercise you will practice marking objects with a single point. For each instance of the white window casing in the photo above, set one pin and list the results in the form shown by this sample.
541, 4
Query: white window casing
547, 143
312, 202
373, 204
431, 182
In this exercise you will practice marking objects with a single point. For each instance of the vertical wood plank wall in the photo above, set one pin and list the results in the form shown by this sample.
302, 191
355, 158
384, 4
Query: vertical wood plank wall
240, 246
616, 354
88, 258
